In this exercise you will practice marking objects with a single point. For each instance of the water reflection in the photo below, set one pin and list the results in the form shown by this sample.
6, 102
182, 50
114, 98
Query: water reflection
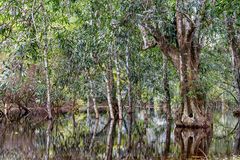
79, 137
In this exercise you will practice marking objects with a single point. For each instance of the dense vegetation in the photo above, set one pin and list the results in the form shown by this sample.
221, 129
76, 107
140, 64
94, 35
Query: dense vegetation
183, 55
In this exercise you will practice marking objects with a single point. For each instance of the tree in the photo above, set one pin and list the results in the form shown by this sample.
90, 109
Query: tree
185, 55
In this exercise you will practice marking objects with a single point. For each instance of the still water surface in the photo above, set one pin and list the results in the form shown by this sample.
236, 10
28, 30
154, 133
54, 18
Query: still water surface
146, 136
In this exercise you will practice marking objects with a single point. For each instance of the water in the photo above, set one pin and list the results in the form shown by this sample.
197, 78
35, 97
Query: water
148, 138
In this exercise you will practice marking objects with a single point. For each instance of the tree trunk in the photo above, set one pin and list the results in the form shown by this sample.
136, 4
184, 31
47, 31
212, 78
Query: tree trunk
45, 54
185, 57
93, 98
109, 84
116, 60
129, 86
235, 53
167, 98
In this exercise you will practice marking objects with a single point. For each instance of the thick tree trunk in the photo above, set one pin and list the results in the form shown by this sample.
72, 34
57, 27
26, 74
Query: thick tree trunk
235, 53
191, 113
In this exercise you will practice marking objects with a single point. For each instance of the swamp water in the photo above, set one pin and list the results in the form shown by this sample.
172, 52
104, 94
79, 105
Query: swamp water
78, 137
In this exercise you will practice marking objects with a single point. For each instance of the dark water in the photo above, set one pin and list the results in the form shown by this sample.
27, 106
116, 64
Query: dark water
147, 136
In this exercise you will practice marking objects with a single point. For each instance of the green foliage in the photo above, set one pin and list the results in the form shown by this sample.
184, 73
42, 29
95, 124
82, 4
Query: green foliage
82, 36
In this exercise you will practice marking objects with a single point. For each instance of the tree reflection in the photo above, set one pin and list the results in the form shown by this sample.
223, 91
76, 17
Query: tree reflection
168, 140
48, 140
119, 138
93, 135
110, 140
194, 143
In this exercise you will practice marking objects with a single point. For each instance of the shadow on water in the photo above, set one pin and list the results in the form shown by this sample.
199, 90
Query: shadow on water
138, 137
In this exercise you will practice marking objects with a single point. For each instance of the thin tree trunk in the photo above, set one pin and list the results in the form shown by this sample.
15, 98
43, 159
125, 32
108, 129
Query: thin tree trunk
45, 54
93, 99
110, 86
116, 60
167, 98
88, 107
129, 86
109, 97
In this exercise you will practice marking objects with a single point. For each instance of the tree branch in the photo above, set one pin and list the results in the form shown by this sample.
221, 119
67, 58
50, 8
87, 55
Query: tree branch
168, 50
